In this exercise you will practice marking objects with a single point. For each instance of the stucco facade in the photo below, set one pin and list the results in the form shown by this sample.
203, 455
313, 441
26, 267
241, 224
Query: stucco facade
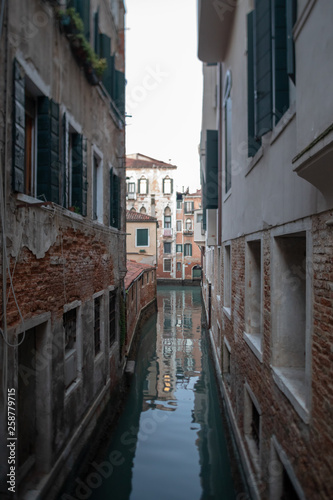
266, 154
141, 237
62, 138
151, 190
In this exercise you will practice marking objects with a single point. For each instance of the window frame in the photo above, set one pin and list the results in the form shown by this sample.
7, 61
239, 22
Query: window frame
188, 250
136, 237
164, 262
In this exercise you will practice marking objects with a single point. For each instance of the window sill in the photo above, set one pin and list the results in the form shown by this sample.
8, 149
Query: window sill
227, 312
291, 381
72, 388
227, 195
255, 159
254, 343
283, 123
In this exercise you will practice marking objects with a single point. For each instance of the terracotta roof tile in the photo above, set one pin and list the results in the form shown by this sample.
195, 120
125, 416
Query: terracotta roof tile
134, 269
132, 216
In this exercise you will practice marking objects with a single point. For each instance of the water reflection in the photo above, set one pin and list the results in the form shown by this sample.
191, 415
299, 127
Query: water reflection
170, 439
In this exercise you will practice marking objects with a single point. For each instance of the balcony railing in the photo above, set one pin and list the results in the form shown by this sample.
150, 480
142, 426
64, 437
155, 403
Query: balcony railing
167, 232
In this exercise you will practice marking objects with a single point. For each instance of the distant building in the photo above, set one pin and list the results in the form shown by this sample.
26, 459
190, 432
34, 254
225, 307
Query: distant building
150, 190
141, 237
188, 254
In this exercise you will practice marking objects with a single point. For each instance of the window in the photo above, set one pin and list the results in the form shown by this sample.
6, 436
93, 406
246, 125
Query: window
271, 65
167, 185
283, 481
97, 188
112, 316
252, 424
131, 187
189, 207
97, 325
227, 277
179, 204
188, 249
36, 164
115, 220
179, 226
228, 131
167, 247
143, 210
167, 218
70, 362
188, 224
167, 265
179, 248
291, 302
142, 237
253, 292
226, 362
199, 218
143, 186
179, 266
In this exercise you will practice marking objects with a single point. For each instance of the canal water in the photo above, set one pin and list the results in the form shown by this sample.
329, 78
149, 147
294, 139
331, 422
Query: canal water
170, 442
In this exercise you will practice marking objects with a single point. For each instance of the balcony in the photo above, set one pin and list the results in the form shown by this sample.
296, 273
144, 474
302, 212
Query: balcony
167, 232
131, 196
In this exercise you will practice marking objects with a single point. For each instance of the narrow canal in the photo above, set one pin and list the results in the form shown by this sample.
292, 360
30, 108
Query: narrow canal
170, 442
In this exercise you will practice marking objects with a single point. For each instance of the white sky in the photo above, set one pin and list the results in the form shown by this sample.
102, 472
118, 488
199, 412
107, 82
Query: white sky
164, 84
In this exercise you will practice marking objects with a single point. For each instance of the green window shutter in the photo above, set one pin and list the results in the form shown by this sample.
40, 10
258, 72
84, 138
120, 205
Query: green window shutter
142, 237
147, 190
96, 33
83, 8
109, 73
139, 192
114, 200
228, 134
18, 166
119, 95
210, 194
163, 190
79, 173
171, 186
281, 79
263, 67
291, 14
48, 164
64, 159
253, 142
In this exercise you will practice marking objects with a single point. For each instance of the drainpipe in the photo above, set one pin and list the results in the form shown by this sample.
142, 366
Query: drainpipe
219, 125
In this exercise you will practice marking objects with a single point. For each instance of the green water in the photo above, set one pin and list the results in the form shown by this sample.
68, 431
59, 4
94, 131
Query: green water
170, 442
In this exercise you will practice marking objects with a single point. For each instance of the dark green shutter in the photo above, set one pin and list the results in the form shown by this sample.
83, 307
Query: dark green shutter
171, 186
253, 142
83, 8
291, 14
109, 73
281, 80
142, 237
79, 173
263, 67
211, 179
163, 186
48, 164
64, 159
114, 200
119, 95
18, 128
96, 33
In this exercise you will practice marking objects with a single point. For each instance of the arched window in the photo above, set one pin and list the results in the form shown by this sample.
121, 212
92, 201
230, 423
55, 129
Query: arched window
188, 224
167, 217
188, 250
132, 209
143, 210
143, 185
167, 185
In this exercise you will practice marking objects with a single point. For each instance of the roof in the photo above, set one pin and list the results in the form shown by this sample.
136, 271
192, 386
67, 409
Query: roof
132, 216
138, 160
134, 270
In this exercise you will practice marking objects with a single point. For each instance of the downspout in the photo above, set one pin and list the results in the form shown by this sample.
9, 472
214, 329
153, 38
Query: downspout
219, 127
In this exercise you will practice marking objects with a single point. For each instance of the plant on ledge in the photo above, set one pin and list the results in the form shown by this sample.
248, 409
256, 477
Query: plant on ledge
72, 24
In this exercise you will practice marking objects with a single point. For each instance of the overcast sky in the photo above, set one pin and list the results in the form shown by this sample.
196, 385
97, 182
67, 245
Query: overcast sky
164, 84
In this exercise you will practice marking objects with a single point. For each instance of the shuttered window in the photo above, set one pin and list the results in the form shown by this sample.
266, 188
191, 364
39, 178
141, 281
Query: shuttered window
210, 190
188, 250
79, 173
291, 14
114, 200
280, 75
18, 171
82, 7
167, 186
254, 142
119, 94
142, 237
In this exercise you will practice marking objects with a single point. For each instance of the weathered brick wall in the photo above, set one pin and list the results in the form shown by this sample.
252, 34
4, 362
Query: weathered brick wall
143, 294
307, 446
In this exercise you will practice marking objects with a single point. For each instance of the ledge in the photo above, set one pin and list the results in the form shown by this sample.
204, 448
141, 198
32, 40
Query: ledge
314, 162
291, 381
227, 312
254, 343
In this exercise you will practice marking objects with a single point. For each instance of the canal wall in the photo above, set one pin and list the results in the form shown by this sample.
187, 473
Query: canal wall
179, 282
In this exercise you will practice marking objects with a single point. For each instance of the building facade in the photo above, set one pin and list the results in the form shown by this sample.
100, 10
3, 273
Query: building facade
266, 156
150, 190
188, 254
141, 237
62, 185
